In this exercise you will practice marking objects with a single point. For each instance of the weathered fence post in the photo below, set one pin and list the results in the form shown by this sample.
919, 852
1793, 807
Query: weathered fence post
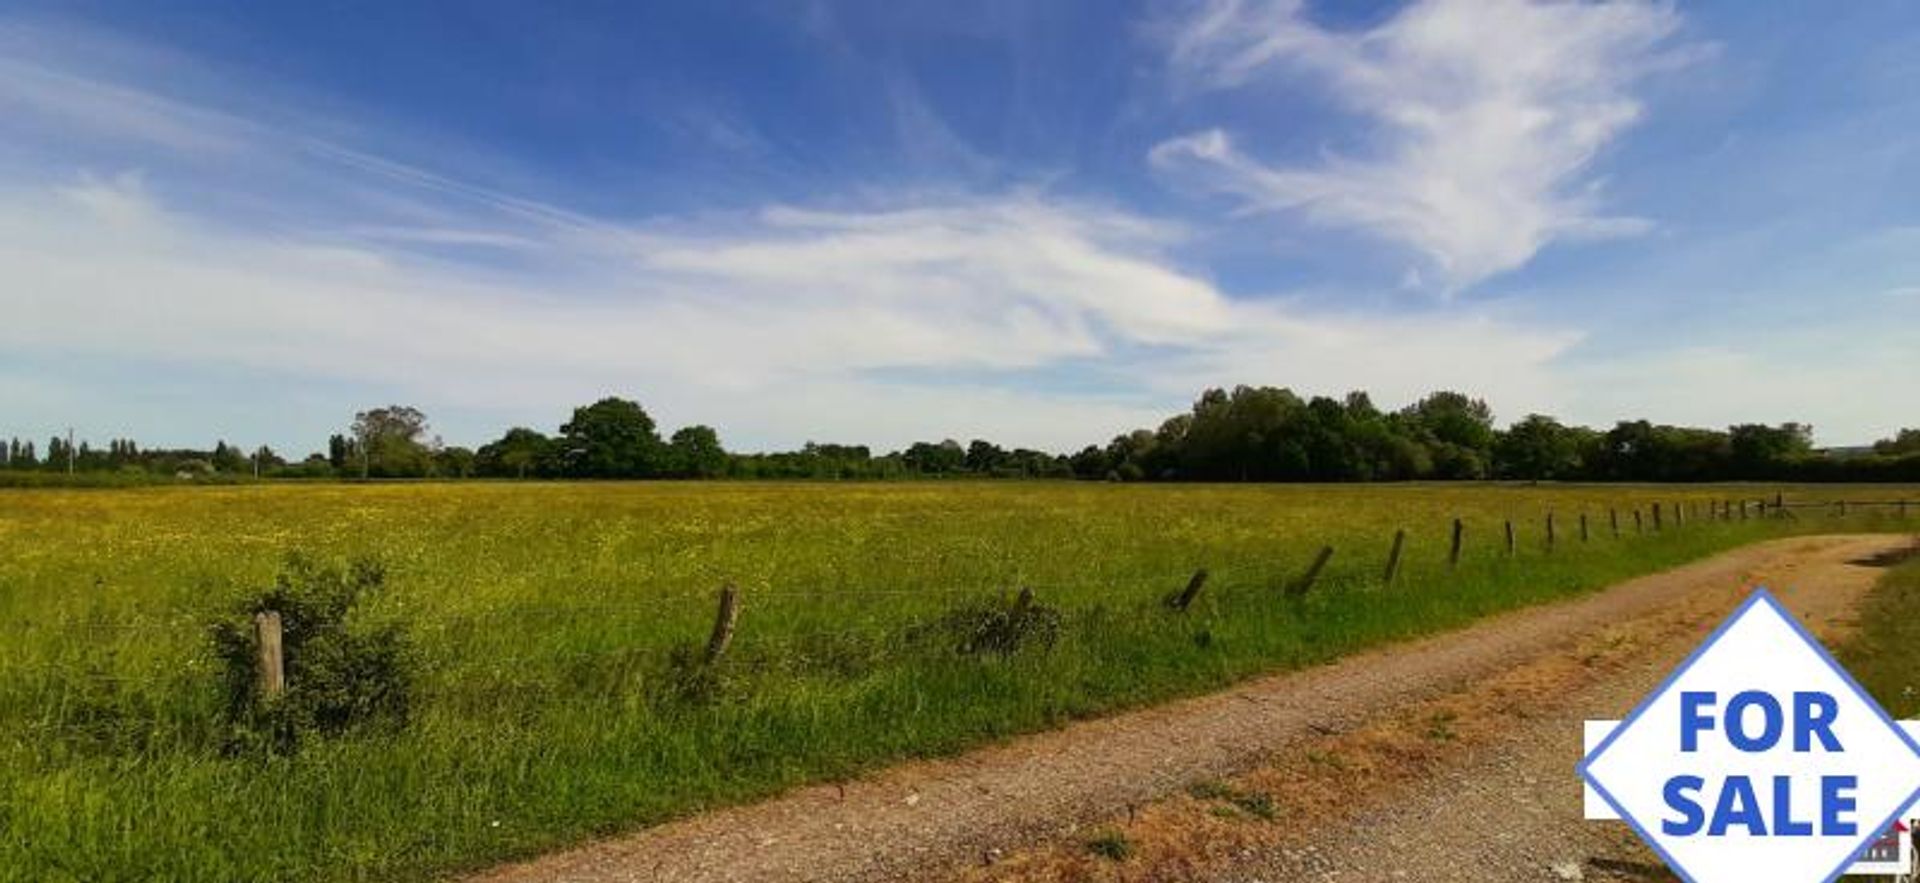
1393, 557
1583, 527
1613, 520
1743, 510
1453, 552
1550, 533
1639, 523
1185, 596
1779, 500
1679, 516
1843, 508
273, 663
1305, 582
1657, 525
1510, 545
724, 621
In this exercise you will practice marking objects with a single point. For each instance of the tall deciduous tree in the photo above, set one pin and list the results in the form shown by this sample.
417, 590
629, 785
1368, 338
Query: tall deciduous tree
392, 442
611, 438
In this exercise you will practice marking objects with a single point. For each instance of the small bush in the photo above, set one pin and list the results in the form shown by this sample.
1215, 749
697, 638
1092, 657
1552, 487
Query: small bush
1110, 845
339, 678
1255, 803
1000, 629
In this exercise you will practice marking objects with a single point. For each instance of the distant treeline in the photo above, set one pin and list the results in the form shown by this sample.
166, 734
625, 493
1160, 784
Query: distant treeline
1246, 434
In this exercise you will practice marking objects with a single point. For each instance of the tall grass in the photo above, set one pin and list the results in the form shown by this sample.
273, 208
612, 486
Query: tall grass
546, 619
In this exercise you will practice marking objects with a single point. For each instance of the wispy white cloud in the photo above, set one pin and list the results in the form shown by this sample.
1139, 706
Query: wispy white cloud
1019, 315
791, 324
1487, 116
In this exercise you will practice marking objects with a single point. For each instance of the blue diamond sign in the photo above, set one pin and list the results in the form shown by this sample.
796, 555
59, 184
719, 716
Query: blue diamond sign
1760, 758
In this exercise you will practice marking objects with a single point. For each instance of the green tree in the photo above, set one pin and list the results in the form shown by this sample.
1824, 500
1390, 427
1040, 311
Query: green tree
519, 453
1537, 448
1757, 451
392, 442
1904, 442
695, 452
611, 438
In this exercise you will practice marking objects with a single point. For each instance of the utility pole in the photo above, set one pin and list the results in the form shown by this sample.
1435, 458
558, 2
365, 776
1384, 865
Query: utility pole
69, 450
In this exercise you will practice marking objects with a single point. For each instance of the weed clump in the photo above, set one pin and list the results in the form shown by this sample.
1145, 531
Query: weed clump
1111, 845
338, 678
1000, 629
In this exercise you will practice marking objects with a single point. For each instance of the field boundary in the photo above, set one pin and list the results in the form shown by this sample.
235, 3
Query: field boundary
925, 815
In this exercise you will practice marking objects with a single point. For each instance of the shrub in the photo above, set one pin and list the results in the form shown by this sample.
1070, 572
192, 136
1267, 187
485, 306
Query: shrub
339, 678
1110, 845
997, 628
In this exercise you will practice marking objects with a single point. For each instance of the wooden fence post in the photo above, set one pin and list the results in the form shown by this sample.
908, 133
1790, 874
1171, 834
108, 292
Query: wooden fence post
1657, 525
1779, 500
1185, 596
1613, 519
273, 662
1393, 557
1639, 523
1453, 553
1743, 510
1550, 533
724, 621
1305, 582
1679, 516
1510, 545
1583, 527
1843, 508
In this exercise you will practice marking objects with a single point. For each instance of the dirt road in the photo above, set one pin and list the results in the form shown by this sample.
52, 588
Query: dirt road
1398, 764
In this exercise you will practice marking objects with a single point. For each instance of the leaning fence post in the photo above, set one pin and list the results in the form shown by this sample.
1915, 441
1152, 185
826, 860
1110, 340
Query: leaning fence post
1453, 553
1583, 527
1393, 557
273, 663
1305, 582
1185, 596
723, 623
1510, 546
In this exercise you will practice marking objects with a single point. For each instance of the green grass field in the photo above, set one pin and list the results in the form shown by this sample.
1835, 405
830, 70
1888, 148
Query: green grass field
544, 620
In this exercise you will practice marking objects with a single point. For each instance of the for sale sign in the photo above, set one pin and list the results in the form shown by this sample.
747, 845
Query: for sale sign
1758, 759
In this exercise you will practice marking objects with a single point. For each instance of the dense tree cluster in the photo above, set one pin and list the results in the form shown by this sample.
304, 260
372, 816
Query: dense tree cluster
1244, 434
1268, 434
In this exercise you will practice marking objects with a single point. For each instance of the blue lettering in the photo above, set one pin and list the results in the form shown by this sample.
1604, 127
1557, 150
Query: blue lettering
1770, 718
1836, 797
1737, 806
1813, 715
1692, 721
1690, 813
1783, 823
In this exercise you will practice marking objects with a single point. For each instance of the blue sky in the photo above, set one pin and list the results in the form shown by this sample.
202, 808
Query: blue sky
1042, 223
